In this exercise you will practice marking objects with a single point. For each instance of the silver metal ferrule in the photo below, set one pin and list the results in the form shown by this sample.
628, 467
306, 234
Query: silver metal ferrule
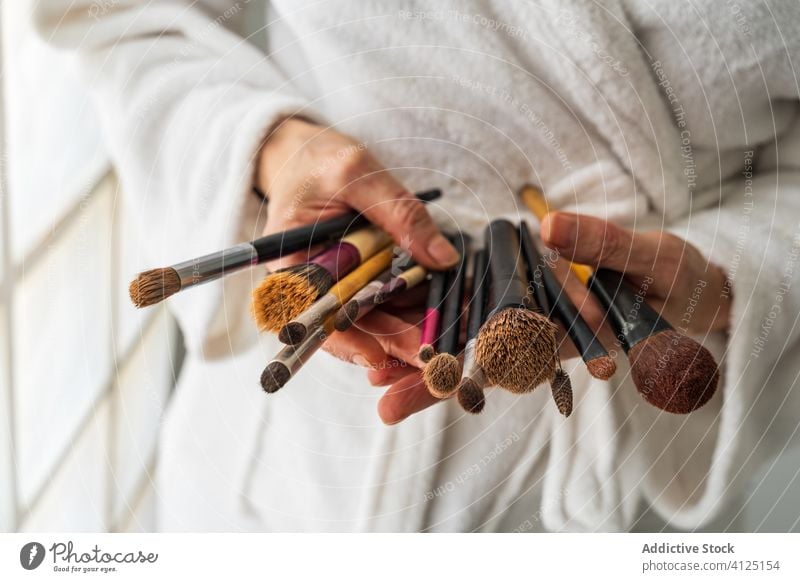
471, 369
293, 357
214, 265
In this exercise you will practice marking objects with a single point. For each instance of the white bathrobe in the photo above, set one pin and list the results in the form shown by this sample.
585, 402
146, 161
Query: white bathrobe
653, 114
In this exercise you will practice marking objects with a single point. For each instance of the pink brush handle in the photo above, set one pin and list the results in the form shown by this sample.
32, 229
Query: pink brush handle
430, 326
338, 260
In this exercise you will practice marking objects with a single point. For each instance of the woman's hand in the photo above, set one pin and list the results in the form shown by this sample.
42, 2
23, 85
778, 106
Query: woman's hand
311, 173
691, 293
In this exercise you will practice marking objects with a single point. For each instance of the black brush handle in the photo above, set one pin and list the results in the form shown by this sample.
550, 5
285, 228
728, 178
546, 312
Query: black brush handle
480, 289
632, 319
508, 286
562, 307
301, 238
535, 275
436, 290
454, 300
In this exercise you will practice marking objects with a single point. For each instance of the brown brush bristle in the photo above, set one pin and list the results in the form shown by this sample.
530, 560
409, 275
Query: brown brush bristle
292, 333
673, 372
602, 368
287, 293
426, 352
442, 374
346, 316
470, 396
517, 349
561, 387
274, 377
153, 286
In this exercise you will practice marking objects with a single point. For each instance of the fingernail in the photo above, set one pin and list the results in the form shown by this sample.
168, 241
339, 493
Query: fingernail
441, 250
360, 360
563, 230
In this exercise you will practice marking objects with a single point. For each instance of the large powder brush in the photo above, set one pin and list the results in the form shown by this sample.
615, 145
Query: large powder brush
285, 294
670, 370
516, 347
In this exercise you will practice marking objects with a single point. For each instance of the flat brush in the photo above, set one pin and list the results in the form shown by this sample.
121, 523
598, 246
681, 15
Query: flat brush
443, 372
285, 294
291, 358
155, 285
670, 370
516, 347
405, 281
470, 388
558, 304
362, 303
296, 330
432, 319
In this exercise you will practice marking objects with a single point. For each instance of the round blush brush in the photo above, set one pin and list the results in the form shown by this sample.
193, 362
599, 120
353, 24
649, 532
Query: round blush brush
296, 330
443, 371
556, 303
516, 347
432, 319
670, 370
470, 388
155, 285
362, 303
285, 294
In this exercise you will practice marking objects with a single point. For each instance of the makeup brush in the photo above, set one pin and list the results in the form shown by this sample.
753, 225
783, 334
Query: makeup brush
470, 388
558, 304
405, 281
291, 358
443, 371
670, 370
285, 294
516, 347
561, 389
432, 319
296, 330
362, 303
155, 285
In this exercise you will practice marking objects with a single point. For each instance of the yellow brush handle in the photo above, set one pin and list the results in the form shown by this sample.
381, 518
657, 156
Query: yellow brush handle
362, 275
534, 199
367, 240
414, 276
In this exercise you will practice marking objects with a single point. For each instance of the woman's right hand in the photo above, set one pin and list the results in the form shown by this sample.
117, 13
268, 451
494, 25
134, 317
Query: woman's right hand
310, 173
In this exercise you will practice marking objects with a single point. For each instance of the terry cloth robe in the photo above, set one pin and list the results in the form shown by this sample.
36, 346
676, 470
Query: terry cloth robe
656, 114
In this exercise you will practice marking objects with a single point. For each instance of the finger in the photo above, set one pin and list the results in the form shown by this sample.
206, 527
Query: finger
404, 398
592, 241
576, 292
398, 338
389, 372
387, 204
356, 347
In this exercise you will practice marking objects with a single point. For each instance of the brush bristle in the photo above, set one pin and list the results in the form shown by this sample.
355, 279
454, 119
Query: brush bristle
561, 387
426, 352
274, 377
602, 368
153, 286
287, 293
346, 316
673, 372
292, 333
517, 349
470, 396
441, 375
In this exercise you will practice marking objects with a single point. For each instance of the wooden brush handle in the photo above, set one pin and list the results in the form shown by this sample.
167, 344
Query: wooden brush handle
480, 288
534, 199
508, 286
632, 319
561, 306
453, 301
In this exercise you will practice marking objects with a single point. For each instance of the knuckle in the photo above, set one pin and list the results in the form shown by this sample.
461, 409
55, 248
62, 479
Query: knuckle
408, 213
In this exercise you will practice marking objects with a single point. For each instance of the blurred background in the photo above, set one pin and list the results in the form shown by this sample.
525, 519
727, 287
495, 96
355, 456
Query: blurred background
85, 379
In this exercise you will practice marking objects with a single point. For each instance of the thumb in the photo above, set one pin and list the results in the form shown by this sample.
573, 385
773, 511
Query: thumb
388, 205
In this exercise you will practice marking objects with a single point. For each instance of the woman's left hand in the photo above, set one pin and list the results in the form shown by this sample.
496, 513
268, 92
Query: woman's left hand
674, 277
